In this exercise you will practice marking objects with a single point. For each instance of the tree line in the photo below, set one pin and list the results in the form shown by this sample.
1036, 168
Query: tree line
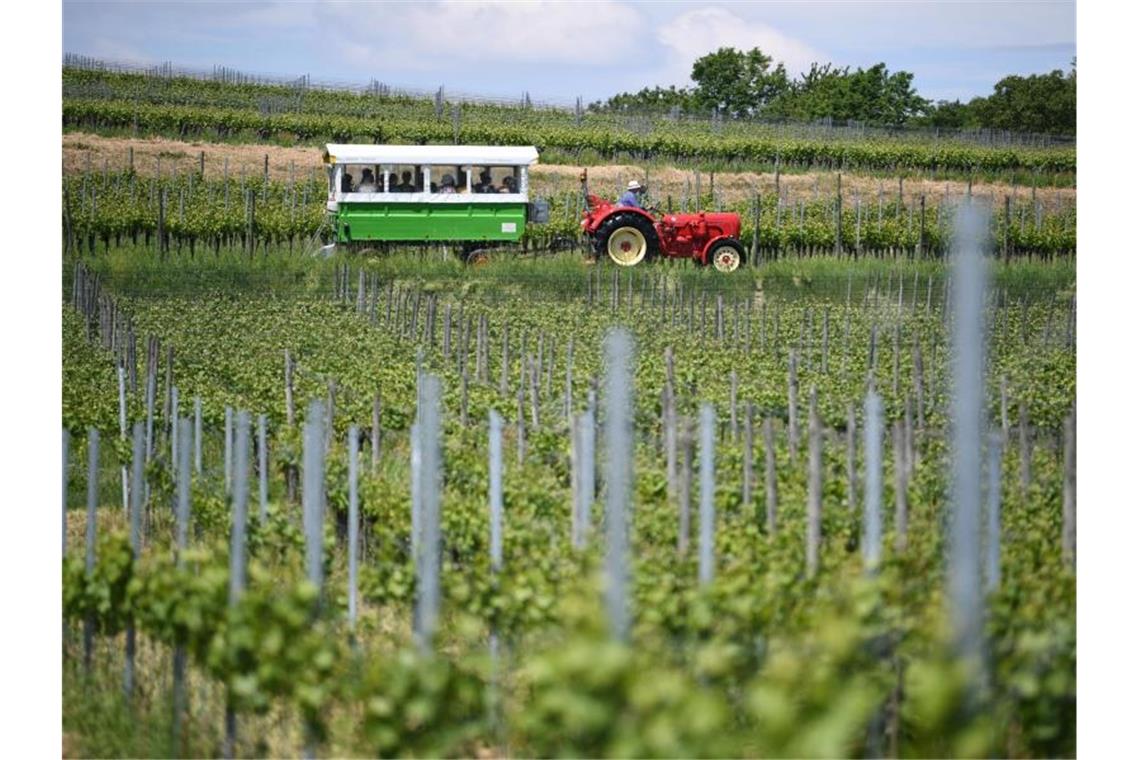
741, 84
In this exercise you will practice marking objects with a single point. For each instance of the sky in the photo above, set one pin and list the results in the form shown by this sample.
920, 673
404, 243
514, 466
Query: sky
557, 51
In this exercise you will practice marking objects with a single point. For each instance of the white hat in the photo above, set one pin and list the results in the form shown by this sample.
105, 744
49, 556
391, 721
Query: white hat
633, 185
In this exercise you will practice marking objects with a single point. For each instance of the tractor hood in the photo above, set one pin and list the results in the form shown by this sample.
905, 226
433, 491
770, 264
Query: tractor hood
726, 221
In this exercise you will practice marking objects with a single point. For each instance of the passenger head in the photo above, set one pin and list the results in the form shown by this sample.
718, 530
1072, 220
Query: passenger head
406, 177
447, 181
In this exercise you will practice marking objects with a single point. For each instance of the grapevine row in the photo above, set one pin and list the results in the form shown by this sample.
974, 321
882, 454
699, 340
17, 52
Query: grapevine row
220, 123
120, 207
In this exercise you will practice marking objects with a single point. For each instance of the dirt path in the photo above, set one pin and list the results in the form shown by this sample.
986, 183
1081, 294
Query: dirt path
82, 151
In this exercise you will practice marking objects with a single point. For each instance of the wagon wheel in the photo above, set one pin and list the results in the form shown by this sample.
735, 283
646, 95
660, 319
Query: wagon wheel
479, 257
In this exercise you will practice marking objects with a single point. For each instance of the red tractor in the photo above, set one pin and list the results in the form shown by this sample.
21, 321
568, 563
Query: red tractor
630, 235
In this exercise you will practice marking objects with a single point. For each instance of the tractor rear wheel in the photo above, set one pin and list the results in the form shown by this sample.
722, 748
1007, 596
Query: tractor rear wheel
626, 239
726, 256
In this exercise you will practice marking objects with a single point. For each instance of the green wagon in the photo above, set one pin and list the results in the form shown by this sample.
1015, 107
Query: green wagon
476, 196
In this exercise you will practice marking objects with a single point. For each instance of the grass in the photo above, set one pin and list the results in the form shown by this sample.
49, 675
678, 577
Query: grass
137, 271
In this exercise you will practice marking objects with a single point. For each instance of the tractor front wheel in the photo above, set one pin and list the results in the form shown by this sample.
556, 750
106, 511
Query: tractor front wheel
626, 239
726, 256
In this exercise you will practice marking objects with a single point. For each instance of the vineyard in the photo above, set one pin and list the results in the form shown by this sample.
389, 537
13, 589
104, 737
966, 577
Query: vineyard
395, 506
386, 503
185, 108
189, 212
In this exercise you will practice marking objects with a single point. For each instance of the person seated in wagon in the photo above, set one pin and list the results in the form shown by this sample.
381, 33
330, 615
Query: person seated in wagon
486, 183
447, 184
508, 185
367, 182
405, 185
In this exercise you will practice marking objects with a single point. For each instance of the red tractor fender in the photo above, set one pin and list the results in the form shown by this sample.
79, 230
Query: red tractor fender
709, 246
595, 218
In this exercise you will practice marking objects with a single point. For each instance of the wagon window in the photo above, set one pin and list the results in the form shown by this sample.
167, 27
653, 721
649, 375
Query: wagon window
496, 179
448, 179
362, 178
404, 178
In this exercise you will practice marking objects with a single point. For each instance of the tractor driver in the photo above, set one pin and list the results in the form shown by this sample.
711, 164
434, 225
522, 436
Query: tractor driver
632, 195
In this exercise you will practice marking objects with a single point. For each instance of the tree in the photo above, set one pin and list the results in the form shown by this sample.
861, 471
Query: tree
951, 114
735, 82
873, 96
1035, 103
744, 83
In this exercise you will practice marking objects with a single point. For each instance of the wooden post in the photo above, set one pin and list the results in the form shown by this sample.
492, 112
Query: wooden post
838, 213
684, 484
770, 495
290, 414
900, 487
921, 226
1005, 231
1069, 493
1024, 445
793, 391
160, 239
814, 487
852, 483
748, 475
376, 432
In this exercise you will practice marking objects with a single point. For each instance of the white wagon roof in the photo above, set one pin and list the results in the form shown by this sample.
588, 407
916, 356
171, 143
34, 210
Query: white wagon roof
494, 155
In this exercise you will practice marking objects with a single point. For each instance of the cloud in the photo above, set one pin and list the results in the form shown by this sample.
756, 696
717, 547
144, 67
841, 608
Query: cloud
438, 35
697, 32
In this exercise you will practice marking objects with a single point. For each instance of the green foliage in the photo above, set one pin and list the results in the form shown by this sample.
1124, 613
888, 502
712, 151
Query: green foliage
191, 109
737, 83
120, 207
763, 661
421, 706
871, 96
1038, 103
